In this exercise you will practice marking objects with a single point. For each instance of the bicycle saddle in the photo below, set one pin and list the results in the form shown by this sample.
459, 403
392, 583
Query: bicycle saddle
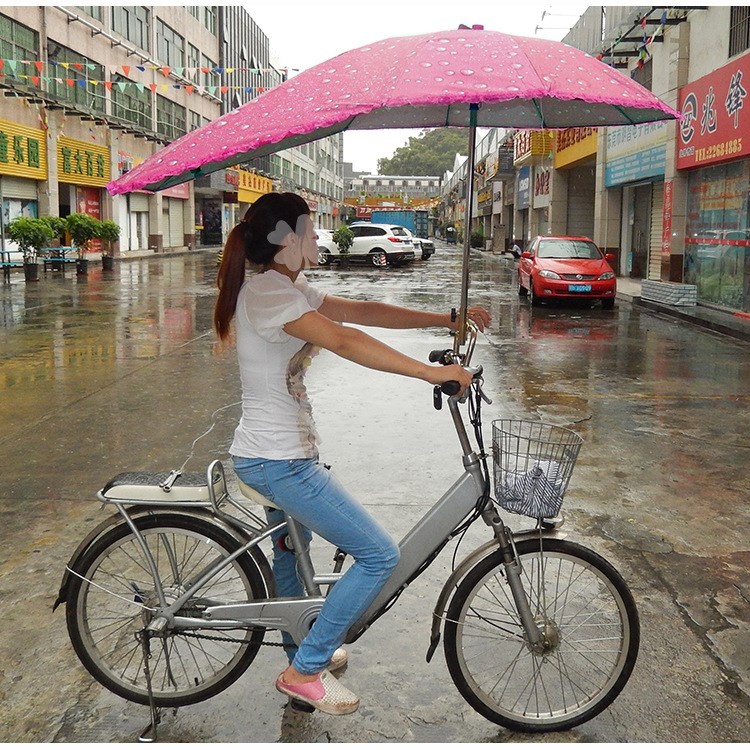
254, 495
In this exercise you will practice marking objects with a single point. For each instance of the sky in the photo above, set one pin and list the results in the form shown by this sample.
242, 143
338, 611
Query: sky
303, 34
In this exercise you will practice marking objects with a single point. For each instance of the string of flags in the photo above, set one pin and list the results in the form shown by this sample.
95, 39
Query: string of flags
643, 49
9, 68
190, 88
166, 70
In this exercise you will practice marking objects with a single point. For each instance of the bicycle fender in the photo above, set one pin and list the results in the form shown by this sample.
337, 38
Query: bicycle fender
237, 531
472, 559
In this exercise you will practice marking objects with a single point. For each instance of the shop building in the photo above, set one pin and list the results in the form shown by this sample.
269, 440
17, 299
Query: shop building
89, 92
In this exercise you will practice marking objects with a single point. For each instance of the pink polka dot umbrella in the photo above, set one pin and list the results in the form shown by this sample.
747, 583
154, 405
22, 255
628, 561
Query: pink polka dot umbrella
468, 77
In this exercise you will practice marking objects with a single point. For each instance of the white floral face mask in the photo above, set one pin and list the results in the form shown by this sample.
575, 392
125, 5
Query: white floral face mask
299, 248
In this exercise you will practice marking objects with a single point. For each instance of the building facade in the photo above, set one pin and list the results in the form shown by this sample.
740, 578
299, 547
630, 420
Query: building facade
670, 200
91, 91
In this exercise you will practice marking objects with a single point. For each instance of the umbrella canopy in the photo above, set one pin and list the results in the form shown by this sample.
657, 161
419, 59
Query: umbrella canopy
423, 81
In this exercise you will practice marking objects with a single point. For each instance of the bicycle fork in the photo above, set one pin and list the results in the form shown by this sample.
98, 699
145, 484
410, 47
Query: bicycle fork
512, 567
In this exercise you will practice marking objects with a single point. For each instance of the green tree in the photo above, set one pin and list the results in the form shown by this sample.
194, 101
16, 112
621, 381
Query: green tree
429, 153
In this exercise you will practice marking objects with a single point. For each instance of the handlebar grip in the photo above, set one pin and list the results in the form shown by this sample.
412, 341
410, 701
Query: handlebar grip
436, 355
451, 387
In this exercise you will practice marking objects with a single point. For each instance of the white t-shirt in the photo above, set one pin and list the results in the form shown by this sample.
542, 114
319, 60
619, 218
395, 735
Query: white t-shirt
276, 418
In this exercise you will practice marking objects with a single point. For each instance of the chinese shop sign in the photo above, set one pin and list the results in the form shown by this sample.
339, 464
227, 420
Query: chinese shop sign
635, 152
573, 145
715, 123
23, 151
82, 163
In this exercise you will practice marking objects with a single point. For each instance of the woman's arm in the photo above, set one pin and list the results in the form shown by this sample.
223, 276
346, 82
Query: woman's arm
382, 315
359, 347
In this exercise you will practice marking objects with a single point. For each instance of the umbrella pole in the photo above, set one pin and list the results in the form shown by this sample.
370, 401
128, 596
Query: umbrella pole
461, 334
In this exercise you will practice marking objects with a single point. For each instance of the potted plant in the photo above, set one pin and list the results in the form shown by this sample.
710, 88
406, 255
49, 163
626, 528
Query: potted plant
82, 229
58, 225
344, 239
30, 235
109, 233
477, 239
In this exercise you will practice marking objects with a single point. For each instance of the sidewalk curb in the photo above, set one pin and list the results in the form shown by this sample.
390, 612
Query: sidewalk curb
701, 316
717, 326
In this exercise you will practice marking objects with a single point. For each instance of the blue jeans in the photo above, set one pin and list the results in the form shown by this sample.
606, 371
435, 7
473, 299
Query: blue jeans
311, 495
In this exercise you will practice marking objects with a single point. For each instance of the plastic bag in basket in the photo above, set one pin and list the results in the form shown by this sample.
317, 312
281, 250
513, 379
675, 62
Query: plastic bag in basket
537, 492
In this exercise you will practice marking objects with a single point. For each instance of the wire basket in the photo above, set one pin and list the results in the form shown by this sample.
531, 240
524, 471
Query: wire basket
533, 463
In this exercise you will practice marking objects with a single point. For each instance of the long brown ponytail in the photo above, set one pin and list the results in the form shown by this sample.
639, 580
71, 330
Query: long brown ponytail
248, 241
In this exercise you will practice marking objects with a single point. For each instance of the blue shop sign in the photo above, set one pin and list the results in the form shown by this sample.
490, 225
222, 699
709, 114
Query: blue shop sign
523, 188
650, 162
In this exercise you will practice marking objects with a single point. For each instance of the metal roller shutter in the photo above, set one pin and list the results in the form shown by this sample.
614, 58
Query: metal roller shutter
17, 187
654, 245
176, 231
139, 202
581, 194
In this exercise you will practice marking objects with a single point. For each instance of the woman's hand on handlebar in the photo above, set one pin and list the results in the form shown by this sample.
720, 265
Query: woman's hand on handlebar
445, 373
478, 315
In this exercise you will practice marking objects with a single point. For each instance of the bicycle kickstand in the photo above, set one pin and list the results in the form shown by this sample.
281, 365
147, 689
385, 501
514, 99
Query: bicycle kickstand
149, 733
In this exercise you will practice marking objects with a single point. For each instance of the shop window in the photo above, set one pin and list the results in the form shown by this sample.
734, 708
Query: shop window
70, 66
128, 103
739, 29
717, 242
171, 119
18, 42
170, 46
95, 11
132, 22
209, 18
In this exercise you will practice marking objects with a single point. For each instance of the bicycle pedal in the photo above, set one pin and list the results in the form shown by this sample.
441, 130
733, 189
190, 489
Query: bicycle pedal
301, 706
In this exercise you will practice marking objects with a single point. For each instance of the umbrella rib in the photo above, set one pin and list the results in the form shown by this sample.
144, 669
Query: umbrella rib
625, 115
538, 110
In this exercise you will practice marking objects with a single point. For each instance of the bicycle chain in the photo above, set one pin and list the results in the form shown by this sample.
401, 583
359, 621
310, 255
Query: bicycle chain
230, 640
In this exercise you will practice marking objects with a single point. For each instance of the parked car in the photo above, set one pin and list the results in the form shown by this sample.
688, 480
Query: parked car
566, 268
326, 245
378, 244
423, 248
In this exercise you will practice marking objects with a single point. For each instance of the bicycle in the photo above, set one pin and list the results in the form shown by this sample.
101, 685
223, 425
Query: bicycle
169, 599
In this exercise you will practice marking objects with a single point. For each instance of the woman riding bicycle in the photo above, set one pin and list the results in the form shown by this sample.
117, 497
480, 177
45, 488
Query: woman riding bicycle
281, 322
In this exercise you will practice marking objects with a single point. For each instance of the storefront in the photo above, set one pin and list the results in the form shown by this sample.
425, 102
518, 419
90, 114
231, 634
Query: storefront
83, 169
523, 201
250, 187
23, 164
173, 226
531, 152
635, 162
575, 159
714, 145
540, 200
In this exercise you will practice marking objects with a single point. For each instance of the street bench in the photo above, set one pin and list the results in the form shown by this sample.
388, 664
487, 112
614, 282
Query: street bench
8, 265
57, 257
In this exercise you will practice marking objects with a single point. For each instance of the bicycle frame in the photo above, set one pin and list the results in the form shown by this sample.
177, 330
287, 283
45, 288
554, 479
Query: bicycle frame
296, 615
418, 548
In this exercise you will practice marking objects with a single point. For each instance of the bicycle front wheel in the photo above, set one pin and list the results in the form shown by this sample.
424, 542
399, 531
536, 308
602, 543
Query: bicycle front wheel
112, 598
583, 607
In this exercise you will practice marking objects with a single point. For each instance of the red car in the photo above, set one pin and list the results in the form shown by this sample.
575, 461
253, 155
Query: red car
566, 268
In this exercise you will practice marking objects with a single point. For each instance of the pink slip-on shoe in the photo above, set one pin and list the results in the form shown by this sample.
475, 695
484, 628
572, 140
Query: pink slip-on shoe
325, 693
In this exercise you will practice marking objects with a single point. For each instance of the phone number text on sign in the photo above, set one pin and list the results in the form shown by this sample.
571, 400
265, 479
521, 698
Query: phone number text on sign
714, 151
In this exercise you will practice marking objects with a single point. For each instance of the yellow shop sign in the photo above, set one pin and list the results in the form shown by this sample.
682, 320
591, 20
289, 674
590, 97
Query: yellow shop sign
82, 163
23, 151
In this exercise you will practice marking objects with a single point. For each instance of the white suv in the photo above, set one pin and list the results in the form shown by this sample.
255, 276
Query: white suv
378, 244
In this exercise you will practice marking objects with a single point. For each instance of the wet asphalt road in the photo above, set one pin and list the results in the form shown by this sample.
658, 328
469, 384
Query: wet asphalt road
106, 374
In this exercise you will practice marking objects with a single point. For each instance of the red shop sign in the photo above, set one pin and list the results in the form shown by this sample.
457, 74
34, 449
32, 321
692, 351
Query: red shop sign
715, 124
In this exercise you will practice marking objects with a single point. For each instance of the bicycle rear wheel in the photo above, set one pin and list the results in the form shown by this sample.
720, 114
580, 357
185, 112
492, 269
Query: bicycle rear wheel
582, 605
112, 597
